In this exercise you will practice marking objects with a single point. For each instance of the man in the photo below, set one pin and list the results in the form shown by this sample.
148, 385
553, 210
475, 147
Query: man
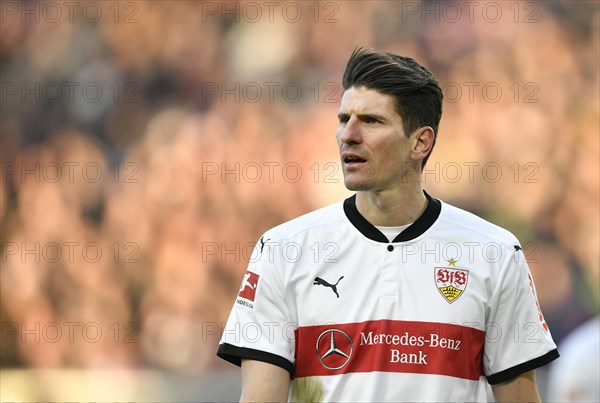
390, 295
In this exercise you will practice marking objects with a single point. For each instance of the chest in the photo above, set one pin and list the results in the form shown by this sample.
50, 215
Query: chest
428, 282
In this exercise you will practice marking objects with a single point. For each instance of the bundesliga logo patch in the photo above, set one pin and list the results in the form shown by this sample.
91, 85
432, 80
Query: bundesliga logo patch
248, 288
451, 283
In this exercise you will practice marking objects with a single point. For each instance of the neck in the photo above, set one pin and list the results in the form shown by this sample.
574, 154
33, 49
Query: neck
393, 207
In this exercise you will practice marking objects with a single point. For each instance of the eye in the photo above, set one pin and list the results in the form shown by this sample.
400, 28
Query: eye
343, 119
371, 120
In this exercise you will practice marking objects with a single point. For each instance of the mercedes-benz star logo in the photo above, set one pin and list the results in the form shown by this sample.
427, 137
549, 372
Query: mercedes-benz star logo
338, 349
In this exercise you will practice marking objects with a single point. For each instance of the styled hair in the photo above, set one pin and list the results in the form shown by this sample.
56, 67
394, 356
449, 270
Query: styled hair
416, 92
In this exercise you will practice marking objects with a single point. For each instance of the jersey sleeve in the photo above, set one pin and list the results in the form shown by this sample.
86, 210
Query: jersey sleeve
517, 336
259, 325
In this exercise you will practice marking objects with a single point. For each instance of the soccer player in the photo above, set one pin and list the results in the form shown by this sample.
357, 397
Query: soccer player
391, 294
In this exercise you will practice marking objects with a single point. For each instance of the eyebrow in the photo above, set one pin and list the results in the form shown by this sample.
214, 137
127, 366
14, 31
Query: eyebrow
363, 116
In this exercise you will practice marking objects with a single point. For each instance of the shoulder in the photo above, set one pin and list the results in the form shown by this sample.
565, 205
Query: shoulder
318, 220
465, 224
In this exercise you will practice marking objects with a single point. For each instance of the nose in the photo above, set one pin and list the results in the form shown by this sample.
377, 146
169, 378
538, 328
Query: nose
350, 132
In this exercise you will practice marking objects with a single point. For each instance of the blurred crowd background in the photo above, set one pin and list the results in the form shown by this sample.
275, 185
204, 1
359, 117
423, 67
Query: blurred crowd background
146, 146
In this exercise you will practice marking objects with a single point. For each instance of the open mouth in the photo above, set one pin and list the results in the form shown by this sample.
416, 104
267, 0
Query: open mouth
353, 160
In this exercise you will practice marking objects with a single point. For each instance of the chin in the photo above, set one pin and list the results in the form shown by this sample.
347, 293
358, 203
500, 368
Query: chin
357, 186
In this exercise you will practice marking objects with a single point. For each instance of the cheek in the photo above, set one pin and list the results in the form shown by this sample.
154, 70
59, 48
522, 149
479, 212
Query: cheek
390, 148
392, 154
338, 136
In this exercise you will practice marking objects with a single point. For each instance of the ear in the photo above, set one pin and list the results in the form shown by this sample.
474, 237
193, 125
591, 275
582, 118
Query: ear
422, 144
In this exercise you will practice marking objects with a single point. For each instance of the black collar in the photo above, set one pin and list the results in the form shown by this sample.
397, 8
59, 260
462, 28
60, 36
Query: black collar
426, 220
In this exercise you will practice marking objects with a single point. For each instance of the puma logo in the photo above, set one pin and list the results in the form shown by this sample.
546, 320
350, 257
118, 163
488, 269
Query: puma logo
262, 243
320, 281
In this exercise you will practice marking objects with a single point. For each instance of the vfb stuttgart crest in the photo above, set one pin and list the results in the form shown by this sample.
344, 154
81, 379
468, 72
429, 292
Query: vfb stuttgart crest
451, 282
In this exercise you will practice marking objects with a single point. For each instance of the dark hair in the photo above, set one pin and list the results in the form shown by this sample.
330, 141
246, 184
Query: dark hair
417, 93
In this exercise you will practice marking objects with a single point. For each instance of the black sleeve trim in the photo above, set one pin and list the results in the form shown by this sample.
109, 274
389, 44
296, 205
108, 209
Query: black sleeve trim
515, 371
234, 355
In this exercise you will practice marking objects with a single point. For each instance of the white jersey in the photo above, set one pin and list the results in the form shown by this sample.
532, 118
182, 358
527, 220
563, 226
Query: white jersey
439, 313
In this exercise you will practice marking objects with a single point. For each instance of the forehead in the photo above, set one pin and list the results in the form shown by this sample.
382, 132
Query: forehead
363, 100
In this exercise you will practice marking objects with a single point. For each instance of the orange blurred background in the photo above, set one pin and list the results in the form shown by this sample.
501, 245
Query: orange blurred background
147, 145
